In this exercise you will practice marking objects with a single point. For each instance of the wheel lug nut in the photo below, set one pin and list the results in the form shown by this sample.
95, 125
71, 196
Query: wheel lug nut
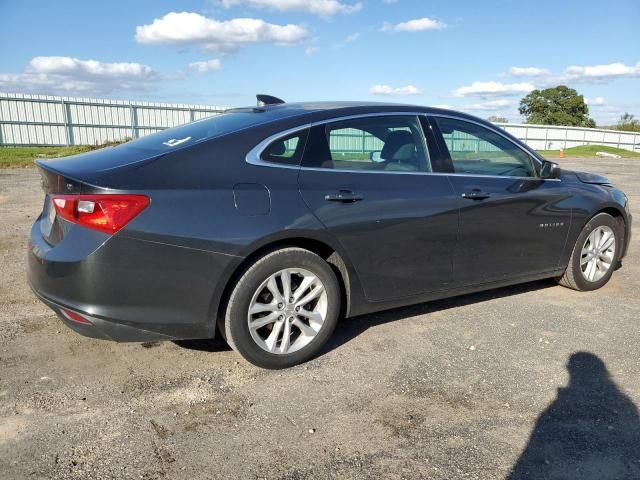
280, 305
297, 309
290, 299
281, 317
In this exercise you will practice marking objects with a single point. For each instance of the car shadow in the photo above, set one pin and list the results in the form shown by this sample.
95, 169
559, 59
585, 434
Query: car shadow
216, 344
349, 328
591, 431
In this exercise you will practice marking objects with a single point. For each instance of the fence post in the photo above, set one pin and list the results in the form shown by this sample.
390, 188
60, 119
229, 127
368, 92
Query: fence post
134, 121
192, 115
68, 126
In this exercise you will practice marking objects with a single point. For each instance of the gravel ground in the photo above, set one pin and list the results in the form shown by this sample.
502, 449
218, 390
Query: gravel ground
533, 381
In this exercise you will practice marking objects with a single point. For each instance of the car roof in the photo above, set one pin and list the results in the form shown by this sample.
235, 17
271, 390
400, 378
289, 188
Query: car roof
316, 111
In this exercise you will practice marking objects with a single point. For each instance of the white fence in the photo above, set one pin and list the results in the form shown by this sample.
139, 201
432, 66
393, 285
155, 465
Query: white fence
49, 120
548, 137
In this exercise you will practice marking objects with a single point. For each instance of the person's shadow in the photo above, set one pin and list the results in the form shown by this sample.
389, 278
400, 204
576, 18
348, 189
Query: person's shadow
590, 431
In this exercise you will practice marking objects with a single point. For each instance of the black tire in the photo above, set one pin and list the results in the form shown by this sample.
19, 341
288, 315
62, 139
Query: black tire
573, 277
236, 326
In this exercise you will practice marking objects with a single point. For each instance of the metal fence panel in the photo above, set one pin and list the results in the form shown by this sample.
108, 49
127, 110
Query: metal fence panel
51, 120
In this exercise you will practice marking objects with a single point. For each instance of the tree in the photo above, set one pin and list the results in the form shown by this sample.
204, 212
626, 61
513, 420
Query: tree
628, 123
559, 105
497, 119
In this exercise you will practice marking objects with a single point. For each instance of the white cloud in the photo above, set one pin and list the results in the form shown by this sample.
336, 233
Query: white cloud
595, 102
491, 105
89, 68
348, 39
416, 25
528, 72
317, 7
488, 89
69, 75
206, 66
386, 90
188, 28
601, 72
309, 51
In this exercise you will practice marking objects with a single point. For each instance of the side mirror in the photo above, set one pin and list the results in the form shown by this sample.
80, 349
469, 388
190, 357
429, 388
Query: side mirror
549, 170
375, 157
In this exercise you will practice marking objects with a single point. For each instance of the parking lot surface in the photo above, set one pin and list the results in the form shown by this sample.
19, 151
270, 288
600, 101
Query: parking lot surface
532, 381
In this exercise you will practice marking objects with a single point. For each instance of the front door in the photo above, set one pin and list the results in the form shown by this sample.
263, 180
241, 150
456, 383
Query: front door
512, 223
368, 181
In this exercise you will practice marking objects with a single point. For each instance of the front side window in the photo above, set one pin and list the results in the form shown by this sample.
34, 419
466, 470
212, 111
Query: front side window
286, 150
476, 150
385, 143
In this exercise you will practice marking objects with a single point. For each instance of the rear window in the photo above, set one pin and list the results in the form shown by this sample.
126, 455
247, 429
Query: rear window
188, 134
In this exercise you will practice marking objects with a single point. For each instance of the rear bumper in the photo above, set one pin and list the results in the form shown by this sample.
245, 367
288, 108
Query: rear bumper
128, 289
102, 328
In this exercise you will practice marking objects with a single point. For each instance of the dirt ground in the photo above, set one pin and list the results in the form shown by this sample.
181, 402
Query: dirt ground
534, 381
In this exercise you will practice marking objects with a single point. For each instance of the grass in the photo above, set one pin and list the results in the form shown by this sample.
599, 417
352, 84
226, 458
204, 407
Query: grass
589, 151
20, 157
24, 156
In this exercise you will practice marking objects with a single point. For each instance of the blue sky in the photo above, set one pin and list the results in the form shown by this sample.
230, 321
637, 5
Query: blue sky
477, 56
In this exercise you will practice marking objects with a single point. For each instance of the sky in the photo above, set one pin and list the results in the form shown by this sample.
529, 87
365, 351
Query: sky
481, 57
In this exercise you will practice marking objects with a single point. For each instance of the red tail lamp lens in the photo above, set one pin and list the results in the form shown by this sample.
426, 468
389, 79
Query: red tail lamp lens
75, 317
106, 213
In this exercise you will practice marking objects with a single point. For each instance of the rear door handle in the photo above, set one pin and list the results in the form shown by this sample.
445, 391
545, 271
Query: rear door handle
476, 195
343, 196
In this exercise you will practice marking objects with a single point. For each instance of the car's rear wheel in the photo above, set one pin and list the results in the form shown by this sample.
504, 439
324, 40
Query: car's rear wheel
595, 254
283, 308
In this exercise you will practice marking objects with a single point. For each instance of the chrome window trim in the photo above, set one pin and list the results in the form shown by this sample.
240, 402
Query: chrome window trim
253, 157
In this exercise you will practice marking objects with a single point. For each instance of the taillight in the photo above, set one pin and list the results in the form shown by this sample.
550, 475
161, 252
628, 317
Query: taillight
75, 317
106, 213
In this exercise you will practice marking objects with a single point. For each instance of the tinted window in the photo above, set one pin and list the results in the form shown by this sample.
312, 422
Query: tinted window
479, 151
386, 143
287, 150
184, 135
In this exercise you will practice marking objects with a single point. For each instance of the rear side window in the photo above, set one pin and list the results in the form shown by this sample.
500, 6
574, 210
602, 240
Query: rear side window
385, 143
286, 150
477, 150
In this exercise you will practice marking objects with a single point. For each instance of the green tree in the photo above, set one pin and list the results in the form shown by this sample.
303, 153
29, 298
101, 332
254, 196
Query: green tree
497, 119
628, 123
559, 105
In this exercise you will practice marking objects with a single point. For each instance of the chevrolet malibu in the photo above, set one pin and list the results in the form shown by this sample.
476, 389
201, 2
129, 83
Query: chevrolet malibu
266, 225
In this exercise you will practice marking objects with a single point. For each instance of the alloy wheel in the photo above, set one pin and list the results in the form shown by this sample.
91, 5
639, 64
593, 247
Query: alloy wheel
598, 253
287, 311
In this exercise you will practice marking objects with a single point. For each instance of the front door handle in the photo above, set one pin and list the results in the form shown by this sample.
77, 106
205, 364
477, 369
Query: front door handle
476, 195
343, 196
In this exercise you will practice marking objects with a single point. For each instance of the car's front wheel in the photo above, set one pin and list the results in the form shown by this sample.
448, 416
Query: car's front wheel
283, 308
595, 254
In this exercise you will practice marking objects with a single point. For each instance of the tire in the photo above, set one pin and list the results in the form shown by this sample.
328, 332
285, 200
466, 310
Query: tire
262, 288
577, 273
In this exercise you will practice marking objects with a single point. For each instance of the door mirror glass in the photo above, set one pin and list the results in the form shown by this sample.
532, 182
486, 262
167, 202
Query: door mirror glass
376, 156
549, 170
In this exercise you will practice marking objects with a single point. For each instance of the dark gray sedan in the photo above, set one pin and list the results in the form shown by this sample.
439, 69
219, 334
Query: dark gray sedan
266, 225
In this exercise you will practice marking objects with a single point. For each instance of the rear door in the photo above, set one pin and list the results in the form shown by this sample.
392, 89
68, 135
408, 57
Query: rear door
368, 181
512, 223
